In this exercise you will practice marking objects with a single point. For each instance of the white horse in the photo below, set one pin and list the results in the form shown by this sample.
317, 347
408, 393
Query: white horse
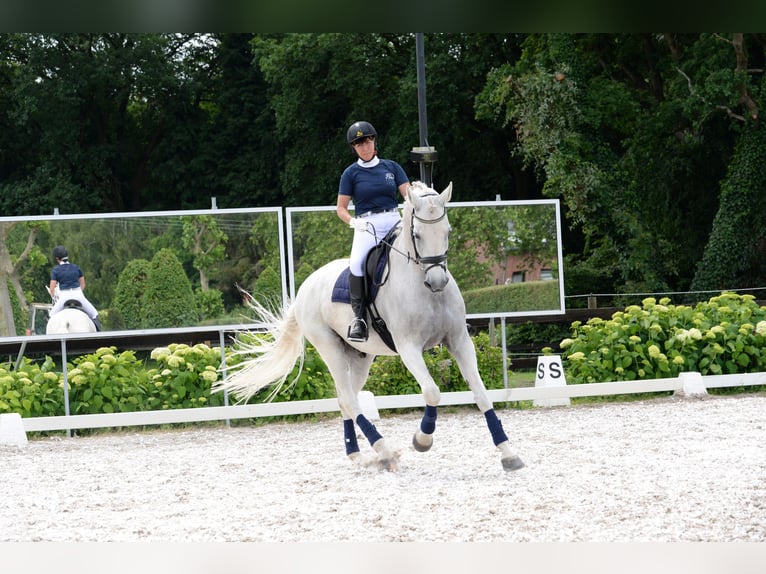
71, 319
422, 307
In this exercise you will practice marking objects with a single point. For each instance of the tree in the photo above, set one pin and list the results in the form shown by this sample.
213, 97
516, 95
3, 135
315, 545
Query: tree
739, 225
207, 243
168, 299
633, 132
11, 265
92, 111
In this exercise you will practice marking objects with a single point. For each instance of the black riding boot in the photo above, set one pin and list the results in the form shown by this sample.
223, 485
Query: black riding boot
357, 331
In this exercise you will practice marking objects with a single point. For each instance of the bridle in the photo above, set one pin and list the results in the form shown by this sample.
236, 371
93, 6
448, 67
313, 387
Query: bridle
427, 263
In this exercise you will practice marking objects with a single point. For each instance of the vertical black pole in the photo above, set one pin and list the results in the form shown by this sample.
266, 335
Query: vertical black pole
424, 155
422, 113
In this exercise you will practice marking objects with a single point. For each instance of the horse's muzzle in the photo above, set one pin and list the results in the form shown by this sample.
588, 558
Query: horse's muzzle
436, 278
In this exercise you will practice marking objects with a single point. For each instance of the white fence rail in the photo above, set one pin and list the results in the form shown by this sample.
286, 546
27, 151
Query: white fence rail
201, 414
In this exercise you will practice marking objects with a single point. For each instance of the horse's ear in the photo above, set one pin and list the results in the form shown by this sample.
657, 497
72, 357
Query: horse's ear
447, 193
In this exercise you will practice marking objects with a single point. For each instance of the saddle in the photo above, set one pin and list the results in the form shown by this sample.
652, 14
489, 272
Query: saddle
376, 274
73, 304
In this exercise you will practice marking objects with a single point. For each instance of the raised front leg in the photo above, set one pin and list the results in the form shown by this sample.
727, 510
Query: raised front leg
465, 355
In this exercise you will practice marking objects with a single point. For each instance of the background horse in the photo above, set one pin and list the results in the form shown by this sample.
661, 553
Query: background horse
422, 307
69, 320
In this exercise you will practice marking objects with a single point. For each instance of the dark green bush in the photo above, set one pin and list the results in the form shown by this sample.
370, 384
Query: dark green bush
209, 304
168, 300
128, 295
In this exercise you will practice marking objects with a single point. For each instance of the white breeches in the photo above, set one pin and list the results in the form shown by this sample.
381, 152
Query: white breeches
77, 294
378, 225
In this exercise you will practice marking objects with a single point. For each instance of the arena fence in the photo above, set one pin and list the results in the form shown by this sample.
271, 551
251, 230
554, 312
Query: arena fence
687, 383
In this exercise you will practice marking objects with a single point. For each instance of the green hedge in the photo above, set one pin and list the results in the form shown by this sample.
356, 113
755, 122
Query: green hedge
528, 296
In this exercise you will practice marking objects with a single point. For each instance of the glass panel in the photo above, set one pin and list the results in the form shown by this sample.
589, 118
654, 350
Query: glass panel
124, 256
491, 244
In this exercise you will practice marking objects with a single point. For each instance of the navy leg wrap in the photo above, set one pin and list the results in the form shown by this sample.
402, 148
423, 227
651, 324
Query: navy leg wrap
349, 433
368, 429
495, 427
428, 423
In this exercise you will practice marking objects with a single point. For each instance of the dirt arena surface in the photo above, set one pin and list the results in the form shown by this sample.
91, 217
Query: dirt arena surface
662, 470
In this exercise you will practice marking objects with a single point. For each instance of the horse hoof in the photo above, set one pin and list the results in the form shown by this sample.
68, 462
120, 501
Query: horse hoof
389, 464
425, 445
513, 463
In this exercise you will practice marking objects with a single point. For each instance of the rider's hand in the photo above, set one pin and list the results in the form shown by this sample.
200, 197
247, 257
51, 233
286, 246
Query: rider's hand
357, 224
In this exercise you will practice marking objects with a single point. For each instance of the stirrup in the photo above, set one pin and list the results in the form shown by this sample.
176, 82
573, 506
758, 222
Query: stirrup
357, 331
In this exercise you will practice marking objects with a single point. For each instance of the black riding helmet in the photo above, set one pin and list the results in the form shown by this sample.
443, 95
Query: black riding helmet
359, 130
60, 252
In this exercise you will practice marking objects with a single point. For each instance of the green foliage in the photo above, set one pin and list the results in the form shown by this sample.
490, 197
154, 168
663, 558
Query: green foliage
590, 112
107, 382
740, 222
314, 381
168, 300
210, 304
264, 236
128, 295
107, 122
527, 296
319, 237
389, 376
531, 333
268, 287
20, 316
206, 241
32, 390
183, 377
724, 335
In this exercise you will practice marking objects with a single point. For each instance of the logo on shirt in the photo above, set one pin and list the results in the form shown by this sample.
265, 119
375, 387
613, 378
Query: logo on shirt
390, 176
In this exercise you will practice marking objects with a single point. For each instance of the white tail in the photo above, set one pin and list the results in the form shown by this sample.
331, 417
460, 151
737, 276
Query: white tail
273, 355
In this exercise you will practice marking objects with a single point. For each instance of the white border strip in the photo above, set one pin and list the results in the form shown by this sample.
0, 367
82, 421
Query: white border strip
382, 402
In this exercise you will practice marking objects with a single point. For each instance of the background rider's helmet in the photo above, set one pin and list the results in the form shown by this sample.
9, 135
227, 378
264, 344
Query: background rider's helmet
359, 130
59, 252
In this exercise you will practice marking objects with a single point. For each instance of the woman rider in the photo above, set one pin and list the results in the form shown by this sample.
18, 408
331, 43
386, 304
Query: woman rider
372, 183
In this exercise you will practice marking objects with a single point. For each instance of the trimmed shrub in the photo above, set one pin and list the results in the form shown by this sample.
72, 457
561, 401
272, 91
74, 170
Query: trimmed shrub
129, 293
529, 296
168, 300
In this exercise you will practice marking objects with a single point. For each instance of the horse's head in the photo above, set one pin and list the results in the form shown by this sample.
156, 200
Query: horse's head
426, 215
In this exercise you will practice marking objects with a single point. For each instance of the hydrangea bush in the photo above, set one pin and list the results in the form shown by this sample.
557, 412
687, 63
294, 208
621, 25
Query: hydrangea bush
724, 335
